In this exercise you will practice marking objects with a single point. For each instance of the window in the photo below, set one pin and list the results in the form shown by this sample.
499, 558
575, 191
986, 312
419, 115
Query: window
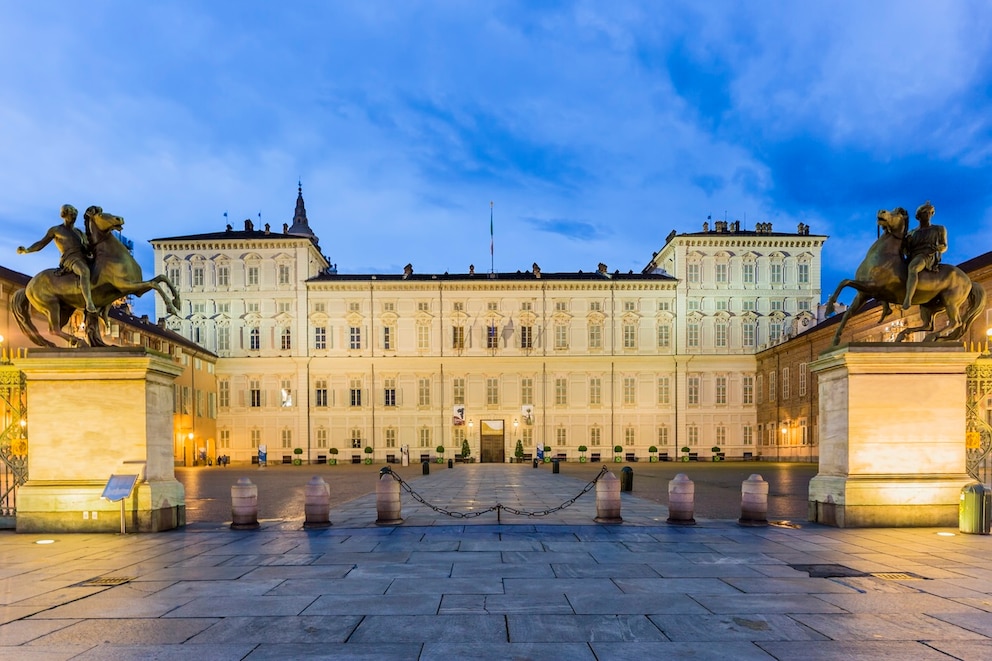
387, 338
777, 304
424, 434
492, 391
664, 336
561, 306
284, 274
287, 438
774, 331
492, 306
254, 394
458, 337
251, 278
423, 337
254, 339
776, 274
319, 307
629, 390
390, 437
320, 393
749, 273
174, 275
284, 306
197, 276
356, 439
561, 437
803, 305
692, 391
492, 339
595, 390
721, 436
662, 436
561, 336
224, 393
423, 392
595, 437
320, 337
223, 338
389, 392
694, 273
285, 393
526, 390
321, 437
458, 390
561, 391
355, 392
664, 390
354, 337
224, 440
748, 334
785, 383
803, 274
256, 438
720, 337
747, 389
629, 306
772, 390
526, 337
224, 308
749, 305
693, 305
423, 306
223, 276
692, 334
286, 339
721, 273
721, 390
458, 306
389, 306
595, 306
664, 306
759, 388
747, 435
722, 304
693, 434
629, 436
526, 306
802, 379
252, 307
595, 336
354, 306
629, 336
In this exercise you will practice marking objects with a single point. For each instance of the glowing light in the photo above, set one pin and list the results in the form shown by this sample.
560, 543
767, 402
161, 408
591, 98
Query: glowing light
946, 534
45, 541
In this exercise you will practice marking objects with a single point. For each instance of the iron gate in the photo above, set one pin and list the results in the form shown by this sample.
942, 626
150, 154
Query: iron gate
13, 441
978, 438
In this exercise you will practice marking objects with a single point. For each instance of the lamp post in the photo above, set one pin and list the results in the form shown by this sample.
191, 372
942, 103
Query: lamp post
192, 447
785, 438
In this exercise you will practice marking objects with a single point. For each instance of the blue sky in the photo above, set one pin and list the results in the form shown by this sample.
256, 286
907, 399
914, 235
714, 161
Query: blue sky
595, 128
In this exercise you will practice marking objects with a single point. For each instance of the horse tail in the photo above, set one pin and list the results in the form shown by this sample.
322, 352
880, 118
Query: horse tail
976, 305
21, 307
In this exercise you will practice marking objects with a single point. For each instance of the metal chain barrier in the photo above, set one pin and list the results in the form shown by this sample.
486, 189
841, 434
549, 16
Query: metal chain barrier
498, 507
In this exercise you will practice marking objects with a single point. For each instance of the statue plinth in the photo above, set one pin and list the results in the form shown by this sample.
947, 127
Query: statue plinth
892, 435
92, 414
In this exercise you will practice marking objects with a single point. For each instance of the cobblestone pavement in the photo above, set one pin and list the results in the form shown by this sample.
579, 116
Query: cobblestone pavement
551, 587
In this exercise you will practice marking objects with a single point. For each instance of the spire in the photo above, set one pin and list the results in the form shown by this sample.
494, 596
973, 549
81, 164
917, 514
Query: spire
300, 224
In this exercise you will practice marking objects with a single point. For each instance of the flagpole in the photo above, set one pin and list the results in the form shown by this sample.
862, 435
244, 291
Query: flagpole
492, 256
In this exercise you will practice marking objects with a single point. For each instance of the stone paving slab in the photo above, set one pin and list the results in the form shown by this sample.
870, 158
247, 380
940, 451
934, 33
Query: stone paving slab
558, 587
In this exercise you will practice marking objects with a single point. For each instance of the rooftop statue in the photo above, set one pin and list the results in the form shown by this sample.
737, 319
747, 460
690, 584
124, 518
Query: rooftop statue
903, 268
94, 271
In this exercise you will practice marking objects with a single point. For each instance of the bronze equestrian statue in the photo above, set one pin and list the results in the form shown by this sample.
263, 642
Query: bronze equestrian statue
884, 273
111, 274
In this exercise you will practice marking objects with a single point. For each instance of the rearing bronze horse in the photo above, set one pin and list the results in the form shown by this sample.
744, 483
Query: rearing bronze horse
114, 274
882, 276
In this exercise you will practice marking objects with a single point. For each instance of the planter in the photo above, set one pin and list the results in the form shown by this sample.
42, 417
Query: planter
332, 462
652, 459
617, 459
368, 461
547, 460
297, 462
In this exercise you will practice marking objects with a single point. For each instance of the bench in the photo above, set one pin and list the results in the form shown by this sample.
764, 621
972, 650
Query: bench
629, 457
390, 458
561, 456
663, 456
287, 459
693, 456
356, 458
321, 458
748, 456
594, 457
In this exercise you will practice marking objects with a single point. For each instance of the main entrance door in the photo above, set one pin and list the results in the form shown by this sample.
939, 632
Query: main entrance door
491, 448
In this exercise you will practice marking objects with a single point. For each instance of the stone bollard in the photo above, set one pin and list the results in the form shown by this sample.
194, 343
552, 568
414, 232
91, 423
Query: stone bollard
626, 479
681, 500
426, 467
754, 502
608, 499
387, 500
317, 503
244, 505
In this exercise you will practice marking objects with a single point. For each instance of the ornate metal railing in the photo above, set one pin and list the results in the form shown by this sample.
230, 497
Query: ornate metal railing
978, 439
13, 441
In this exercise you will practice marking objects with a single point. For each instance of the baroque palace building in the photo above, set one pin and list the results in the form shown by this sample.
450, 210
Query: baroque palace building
311, 359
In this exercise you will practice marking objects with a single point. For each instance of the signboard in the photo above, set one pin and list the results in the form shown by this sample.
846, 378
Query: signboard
119, 487
458, 415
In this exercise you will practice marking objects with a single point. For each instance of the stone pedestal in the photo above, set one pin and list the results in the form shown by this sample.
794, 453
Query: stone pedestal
91, 414
892, 435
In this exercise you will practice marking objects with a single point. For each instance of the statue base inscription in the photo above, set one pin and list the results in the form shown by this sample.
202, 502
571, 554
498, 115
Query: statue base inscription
892, 435
92, 414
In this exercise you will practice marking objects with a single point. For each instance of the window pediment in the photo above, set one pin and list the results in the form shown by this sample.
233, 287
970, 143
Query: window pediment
354, 319
388, 318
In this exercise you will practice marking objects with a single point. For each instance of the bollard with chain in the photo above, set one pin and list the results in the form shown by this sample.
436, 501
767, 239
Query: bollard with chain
387, 499
244, 505
608, 499
681, 500
317, 503
754, 502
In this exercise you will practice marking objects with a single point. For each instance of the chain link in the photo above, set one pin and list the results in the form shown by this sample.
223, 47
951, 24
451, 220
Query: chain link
498, 507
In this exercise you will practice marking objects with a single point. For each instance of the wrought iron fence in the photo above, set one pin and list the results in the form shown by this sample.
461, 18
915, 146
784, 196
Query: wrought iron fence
13, 441
978, 439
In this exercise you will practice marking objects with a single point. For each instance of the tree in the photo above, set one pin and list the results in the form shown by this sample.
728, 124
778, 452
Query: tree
466, 451
518, 451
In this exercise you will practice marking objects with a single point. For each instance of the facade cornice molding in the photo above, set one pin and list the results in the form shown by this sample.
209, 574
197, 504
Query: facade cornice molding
487, 286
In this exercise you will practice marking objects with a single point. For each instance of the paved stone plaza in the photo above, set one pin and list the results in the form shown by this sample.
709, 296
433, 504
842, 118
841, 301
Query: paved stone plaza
555, 587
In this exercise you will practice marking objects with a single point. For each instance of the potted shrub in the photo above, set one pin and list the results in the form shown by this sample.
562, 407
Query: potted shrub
440, 454
685, 452
582, 454
466, 451
334, 456
547, 454
297, 460
717, 455
653, 453
518, 451
368, 455
617, 451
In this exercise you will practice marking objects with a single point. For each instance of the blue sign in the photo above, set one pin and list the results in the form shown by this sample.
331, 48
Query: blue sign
119, 487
